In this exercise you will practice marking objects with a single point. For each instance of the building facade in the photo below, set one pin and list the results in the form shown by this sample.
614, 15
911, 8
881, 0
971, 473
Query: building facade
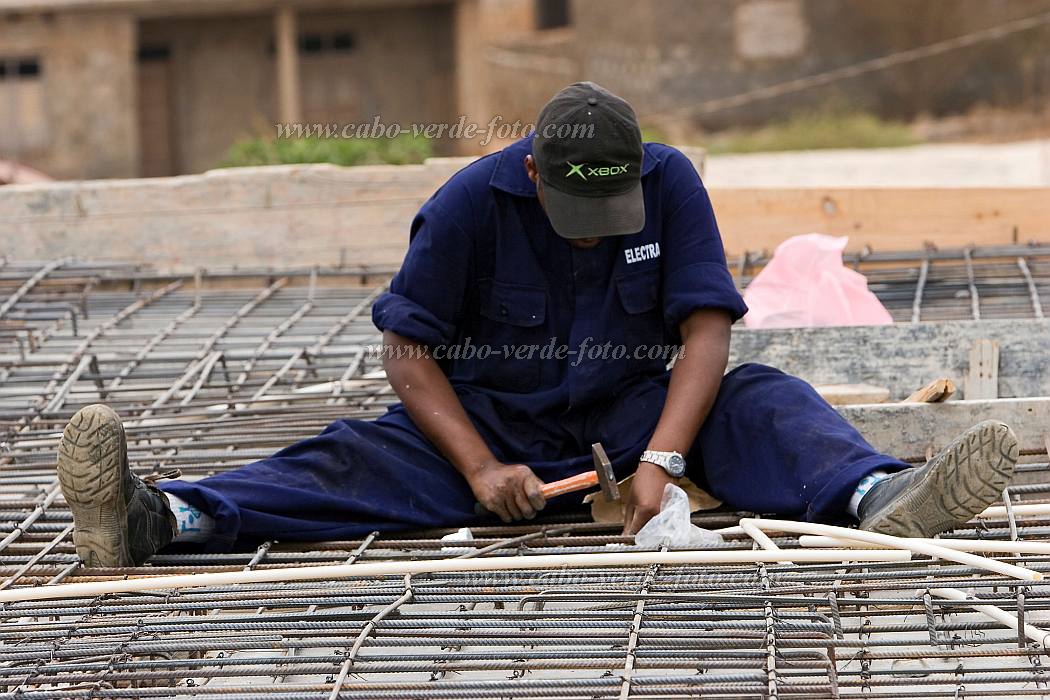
125, 88
128, 88
672, 58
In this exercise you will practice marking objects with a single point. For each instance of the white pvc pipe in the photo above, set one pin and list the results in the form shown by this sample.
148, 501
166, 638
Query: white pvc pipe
959, 545
755, 533
1036, 634
731, 531
90, 589
760, 538
1030, 510
914, 545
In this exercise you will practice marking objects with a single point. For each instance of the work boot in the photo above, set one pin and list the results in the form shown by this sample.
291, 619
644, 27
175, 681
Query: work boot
957, 484
118, 519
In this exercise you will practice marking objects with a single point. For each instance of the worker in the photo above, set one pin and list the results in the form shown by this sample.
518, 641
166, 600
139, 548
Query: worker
542, 289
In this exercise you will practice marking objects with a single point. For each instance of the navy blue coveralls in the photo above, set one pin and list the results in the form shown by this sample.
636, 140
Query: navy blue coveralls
486, 270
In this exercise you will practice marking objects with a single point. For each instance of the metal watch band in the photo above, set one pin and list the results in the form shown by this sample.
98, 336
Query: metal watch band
662, 460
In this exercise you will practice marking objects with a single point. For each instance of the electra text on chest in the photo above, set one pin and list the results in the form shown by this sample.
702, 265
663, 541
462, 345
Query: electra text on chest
642, 252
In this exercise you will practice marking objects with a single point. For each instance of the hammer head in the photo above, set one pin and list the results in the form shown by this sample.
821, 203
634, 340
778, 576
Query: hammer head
606, 477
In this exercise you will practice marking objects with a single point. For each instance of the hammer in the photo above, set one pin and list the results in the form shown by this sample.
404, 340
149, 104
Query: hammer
601, 476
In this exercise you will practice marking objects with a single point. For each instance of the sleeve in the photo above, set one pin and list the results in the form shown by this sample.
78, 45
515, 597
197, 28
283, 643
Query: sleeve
425, 299
695, 272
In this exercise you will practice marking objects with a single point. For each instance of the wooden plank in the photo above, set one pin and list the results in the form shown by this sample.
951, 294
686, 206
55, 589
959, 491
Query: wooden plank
936, 391
902, 356
882, 218
982, 381
364, 210
849, 394
909, 430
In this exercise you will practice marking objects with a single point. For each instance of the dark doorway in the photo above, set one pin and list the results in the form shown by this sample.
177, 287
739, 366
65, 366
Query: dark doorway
156, 112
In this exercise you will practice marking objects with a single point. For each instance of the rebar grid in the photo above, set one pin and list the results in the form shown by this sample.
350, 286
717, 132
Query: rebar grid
995, 282
214, 370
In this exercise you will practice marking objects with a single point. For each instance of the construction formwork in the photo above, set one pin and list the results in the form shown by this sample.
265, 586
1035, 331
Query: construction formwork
212, 371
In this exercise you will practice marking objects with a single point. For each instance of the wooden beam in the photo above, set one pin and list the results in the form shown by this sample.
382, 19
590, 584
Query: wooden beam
849, 394
936, 391
982, 381
882, 218
902, 356
909, 430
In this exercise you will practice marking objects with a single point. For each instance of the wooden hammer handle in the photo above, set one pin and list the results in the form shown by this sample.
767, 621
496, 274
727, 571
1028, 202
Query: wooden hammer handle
573, 483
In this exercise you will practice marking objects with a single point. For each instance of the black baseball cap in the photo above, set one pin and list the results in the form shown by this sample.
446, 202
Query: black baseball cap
588, 150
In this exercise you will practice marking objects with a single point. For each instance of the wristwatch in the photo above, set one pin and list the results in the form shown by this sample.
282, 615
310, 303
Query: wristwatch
671, 462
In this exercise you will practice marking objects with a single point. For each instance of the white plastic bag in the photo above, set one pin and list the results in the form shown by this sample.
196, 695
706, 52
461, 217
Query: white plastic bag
671, 526
806, 284
463, 535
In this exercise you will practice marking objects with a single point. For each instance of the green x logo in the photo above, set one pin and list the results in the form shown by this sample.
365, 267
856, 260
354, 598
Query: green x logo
576, 170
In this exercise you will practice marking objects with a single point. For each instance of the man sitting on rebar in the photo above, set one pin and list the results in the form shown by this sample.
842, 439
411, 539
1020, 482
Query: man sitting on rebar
530, 319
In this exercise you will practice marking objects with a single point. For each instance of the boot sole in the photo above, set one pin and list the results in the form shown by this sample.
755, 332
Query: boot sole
92, 473
963, 480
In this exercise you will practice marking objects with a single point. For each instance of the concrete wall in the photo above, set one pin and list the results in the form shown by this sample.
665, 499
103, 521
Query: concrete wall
678, 52
663, 56
88, 107
280, 215
221, 83
480, 25
523, 74
402, 67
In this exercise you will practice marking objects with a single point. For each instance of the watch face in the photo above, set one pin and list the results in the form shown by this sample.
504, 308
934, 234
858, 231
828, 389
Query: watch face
676, 465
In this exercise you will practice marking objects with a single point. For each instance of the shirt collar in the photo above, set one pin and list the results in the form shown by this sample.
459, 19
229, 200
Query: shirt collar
510, 176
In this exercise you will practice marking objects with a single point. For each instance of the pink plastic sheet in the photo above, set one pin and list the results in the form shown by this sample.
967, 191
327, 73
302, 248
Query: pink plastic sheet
806, 284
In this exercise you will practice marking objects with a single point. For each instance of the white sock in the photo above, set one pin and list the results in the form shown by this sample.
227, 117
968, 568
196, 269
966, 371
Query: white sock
193, 524
863, 487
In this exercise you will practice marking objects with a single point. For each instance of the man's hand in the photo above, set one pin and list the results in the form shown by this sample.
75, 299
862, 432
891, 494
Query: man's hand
511, 491
643, 502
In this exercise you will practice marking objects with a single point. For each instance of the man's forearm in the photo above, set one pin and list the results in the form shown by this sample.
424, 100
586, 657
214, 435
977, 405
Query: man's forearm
433, 405
695, 380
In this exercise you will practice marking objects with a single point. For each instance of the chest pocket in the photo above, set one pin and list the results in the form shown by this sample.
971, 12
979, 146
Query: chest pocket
639, 291
514, 327
519, 305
